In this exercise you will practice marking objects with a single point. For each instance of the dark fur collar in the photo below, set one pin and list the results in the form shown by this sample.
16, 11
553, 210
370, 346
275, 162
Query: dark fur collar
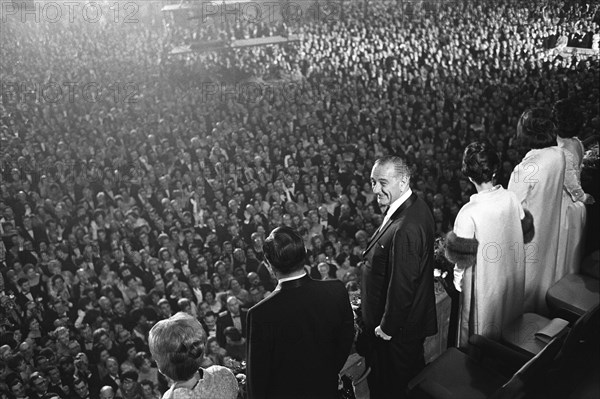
462, 251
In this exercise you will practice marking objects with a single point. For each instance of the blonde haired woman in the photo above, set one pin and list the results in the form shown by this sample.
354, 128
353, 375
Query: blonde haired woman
177, 344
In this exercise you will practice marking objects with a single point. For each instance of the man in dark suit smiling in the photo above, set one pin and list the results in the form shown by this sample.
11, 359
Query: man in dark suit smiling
300, 336
398, 300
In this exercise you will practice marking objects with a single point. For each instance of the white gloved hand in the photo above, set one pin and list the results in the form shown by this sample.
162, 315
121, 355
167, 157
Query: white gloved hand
458, 276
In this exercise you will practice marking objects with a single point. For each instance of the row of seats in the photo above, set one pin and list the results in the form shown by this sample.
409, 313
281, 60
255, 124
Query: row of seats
575, 294
522, 366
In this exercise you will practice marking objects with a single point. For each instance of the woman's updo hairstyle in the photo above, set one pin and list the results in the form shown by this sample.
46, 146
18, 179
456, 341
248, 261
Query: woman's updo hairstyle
535, 129
480, 162
177, 344
568, 118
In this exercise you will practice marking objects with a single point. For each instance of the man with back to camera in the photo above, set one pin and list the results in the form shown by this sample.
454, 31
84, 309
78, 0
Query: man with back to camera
300, 336
398, 299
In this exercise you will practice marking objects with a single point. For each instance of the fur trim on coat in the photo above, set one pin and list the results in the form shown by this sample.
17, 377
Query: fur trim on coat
462, 251
527, 226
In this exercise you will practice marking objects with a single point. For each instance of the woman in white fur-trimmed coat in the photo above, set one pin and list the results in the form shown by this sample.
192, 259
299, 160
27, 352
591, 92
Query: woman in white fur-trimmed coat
487, 247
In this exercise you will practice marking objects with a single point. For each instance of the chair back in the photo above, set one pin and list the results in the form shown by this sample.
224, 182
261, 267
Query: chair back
563, 361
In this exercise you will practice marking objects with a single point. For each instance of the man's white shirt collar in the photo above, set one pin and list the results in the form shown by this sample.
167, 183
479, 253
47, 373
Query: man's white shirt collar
283, 280
395, 205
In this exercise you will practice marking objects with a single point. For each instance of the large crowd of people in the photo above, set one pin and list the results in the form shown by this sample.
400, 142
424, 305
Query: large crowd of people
135, 185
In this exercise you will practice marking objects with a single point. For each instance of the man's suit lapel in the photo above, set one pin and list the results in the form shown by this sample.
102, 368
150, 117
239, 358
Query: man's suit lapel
395, 216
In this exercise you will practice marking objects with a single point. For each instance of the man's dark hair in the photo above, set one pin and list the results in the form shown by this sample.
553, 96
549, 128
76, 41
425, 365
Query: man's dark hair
78, 381
56, 277
210, 313
341, 258
284, 249
147, 383
233, 334
128, 345
130, 375
47, 353
13, 380
13, 361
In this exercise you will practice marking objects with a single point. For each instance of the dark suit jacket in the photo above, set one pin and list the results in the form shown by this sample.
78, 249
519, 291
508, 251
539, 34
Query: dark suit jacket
108, 380
298, 340
38, 236
38, 296
397, 284
225, 320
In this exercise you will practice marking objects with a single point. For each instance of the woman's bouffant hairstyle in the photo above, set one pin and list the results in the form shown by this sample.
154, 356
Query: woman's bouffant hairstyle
567, 117
177, 344
284, 249
535, 129
480, 162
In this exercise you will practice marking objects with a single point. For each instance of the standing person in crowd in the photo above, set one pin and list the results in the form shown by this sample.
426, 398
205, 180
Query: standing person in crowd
487, 246
538, 183
177, 344
398, 300
234, 316
305, 328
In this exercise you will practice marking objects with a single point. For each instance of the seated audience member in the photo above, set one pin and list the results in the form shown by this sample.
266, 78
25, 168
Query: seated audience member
130, 389
325, 271
214, 353
55, 382
113, 378
236, 290
235, 344
164, 308
187, 306
149, 390
256, 295
107, 392
81, 389
234, 316
18, 366
143, 363
17, 388
88, 373
209, 323
67, 370
39, 386
215, 305
177, 344
344, 267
